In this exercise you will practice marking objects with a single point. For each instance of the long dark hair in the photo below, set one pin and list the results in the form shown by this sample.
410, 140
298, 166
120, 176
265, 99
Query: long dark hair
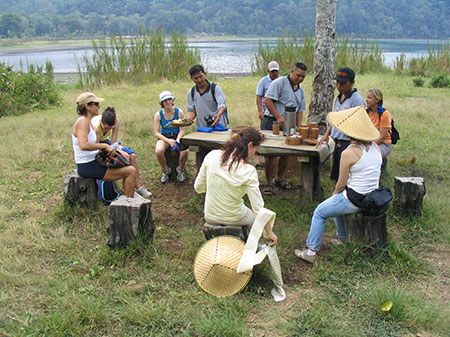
236, 148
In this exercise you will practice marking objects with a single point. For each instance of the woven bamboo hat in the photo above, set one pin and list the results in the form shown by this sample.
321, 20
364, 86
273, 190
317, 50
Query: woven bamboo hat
354, 123
215, 266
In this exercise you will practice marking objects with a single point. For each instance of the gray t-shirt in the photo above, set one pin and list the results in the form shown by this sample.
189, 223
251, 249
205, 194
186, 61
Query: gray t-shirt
261, 89
204, 104
281, 91
351, 101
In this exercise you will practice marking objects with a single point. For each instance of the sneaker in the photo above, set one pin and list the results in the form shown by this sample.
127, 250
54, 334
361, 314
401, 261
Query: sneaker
143, 191
303, 254
337, 242
180, 175
137, 196
278, 294
165, 175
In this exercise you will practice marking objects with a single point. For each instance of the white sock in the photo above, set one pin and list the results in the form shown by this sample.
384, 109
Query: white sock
278, 294
310, 252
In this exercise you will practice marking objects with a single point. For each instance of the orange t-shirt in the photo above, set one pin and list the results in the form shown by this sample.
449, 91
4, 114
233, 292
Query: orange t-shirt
382, 123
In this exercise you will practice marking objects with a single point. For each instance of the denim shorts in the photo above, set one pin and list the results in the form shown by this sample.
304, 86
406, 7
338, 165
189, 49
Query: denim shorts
91, 170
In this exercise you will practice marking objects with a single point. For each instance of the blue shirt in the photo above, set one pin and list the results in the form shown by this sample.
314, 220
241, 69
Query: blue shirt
166, 128
261, 89
351, 101
282, 92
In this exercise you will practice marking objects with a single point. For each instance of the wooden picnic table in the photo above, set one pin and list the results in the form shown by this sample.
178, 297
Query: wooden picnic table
273, 145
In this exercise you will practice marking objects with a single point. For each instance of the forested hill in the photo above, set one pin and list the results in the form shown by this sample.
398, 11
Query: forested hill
369, 18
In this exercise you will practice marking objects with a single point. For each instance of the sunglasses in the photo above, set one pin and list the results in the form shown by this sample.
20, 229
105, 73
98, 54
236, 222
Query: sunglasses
94, 103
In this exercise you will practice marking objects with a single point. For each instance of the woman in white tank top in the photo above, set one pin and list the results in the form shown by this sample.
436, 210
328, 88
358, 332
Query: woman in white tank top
85, 146
359, 170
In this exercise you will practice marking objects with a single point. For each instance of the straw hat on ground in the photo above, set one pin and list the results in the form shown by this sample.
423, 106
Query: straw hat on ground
215, 266
354, 123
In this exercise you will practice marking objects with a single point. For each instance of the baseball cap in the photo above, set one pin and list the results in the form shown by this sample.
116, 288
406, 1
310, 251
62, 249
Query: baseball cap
273, 65
88, 97
344, 75
165, 95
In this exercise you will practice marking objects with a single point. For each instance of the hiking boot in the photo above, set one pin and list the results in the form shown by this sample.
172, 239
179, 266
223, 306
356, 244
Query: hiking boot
303, 254
180, 175
165, 176
143, 192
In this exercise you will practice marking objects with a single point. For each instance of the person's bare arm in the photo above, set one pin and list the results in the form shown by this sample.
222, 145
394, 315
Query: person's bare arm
349, 157
270, 105
157, 130
325, 137
115, 131
259, 106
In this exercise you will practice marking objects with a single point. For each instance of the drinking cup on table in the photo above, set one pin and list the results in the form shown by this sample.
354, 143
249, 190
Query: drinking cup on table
314, 133
313, 125
276, 128
304, 132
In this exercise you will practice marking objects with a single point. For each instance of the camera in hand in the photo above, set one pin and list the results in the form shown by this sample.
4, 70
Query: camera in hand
209, 120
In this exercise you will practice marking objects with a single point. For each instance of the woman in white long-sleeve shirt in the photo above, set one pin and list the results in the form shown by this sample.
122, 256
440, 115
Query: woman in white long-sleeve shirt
226, 177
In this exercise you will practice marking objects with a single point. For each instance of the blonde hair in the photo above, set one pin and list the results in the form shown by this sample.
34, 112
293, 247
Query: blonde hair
378, 94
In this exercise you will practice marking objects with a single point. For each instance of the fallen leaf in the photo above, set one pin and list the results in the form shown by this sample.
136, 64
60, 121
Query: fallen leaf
387, 306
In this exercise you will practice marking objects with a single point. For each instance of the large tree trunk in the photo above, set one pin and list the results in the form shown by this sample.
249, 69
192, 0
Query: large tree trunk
323, 80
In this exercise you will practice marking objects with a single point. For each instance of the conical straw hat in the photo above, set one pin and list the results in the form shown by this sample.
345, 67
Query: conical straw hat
215, 266
354, 123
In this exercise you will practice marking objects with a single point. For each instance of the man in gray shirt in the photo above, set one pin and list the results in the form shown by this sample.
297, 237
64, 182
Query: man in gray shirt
348, 98
273, 69
282, 92
206, 100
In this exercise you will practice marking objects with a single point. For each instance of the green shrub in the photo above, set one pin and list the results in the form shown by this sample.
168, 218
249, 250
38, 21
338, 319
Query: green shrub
418, 82
21, 92
440, 81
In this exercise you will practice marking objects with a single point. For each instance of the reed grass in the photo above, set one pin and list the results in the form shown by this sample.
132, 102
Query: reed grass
361, 56
437, 61
143, 59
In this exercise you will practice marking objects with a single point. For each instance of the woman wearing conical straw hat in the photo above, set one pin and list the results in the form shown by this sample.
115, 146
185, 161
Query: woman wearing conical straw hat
359, 174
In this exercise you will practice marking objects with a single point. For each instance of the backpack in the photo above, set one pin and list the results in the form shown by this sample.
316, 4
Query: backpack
395, 135
106, 191
213, 93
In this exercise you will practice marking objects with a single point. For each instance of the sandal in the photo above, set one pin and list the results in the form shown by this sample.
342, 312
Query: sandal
268, 189
283, 184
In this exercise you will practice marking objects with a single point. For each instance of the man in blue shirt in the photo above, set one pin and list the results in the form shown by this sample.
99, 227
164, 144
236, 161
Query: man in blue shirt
348, 98
282, 92
273, 69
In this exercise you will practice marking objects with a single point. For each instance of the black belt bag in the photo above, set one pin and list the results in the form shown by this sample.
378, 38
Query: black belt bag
373, 203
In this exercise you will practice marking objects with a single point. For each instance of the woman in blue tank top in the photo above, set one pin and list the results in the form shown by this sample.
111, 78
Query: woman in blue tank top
169, 136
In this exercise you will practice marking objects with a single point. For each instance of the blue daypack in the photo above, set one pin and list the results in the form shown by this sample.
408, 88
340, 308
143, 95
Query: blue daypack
106, 191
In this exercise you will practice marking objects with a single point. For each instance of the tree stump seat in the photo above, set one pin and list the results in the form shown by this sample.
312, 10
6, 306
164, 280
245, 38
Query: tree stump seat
130, 218
409, 192
172, 160
371, 229
79, 190
211, 231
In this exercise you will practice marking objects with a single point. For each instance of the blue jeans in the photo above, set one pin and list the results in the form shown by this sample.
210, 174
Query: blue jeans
335, 206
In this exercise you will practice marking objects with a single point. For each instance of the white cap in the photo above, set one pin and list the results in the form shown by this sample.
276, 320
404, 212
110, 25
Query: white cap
165, 95
273, 65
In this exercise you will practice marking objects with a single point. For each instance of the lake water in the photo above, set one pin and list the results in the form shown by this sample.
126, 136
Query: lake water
231, 57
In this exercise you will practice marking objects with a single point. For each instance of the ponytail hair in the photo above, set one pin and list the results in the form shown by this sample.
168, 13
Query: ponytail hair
236, 149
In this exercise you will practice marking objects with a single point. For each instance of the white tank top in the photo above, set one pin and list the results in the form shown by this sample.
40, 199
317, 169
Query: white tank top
81, 156
364, 175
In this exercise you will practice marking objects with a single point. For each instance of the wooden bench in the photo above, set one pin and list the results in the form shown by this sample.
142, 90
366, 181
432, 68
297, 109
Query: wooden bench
129, 219
211, 231
82, 191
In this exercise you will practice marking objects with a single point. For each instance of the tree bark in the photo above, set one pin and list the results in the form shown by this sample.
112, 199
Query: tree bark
371, 229
323, 86
409, 192
78, 190
130, 218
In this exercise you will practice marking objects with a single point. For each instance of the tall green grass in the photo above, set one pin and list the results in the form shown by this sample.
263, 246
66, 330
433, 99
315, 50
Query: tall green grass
142, 59
361, 56
437, 60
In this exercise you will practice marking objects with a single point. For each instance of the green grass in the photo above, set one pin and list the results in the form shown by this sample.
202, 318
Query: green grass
59, 278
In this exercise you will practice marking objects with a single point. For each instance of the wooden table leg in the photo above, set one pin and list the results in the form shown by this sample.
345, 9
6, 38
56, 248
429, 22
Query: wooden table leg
310, 188
200, 155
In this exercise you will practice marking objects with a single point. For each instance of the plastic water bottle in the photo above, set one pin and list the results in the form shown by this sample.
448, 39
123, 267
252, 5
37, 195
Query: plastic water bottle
116, 145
